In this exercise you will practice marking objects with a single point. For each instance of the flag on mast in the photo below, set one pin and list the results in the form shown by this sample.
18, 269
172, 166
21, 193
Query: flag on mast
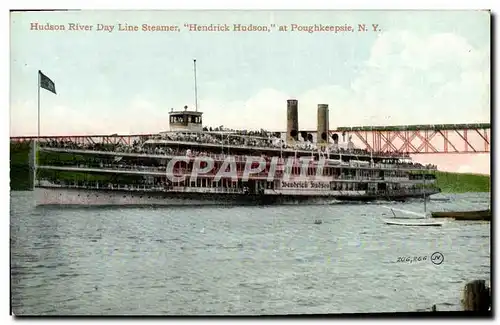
46, 83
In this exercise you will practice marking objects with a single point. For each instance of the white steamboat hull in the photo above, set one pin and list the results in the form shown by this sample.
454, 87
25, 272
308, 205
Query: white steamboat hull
53, 196
82, 197
60, 196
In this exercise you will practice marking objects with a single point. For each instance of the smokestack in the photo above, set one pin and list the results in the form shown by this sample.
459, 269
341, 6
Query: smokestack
323, 118
292, 120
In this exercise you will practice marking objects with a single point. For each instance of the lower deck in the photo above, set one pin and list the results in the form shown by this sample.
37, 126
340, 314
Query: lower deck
121, 196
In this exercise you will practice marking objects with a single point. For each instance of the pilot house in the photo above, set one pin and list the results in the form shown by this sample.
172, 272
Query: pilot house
186, 120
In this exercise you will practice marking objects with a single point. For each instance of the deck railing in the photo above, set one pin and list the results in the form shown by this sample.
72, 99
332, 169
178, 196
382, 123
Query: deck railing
228, 189
242, 159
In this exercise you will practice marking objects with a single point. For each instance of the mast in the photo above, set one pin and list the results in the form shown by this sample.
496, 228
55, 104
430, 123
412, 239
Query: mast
373, 144
37, 140
425, 201
195, 87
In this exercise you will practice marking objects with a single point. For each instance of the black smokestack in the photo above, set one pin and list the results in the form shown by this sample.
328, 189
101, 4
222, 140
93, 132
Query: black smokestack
292, 120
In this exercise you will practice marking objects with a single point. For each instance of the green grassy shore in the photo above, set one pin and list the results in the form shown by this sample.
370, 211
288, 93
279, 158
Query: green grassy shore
21, 178
462, 183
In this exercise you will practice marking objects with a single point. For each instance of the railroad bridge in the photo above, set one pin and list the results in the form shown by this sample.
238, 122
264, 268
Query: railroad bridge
413, 139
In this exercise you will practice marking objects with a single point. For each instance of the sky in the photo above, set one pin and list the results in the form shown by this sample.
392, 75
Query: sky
417, 67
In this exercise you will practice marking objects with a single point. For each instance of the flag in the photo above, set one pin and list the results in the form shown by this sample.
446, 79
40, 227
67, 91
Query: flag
46, 83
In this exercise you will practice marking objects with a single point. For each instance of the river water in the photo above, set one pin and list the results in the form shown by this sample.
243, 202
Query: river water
240, 260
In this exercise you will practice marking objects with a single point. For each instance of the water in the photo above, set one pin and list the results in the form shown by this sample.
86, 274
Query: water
239, 260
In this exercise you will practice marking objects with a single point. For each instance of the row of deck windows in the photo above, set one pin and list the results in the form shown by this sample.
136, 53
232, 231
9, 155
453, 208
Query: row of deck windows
184, 119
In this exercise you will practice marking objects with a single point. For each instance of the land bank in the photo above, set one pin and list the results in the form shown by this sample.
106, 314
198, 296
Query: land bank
21, 179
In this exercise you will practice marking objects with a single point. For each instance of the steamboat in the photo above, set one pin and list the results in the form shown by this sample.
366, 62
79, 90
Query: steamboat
195, 165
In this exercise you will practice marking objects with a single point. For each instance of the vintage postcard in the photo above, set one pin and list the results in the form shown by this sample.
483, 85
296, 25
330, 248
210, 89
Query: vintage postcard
249, 162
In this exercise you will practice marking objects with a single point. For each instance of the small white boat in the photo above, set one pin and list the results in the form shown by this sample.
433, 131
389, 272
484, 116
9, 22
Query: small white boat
423, 219
408, 223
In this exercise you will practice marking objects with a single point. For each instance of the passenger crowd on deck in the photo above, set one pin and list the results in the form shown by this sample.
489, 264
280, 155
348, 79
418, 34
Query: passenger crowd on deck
255, 139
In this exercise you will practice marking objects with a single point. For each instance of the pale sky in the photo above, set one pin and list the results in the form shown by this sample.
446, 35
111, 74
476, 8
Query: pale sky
421, 67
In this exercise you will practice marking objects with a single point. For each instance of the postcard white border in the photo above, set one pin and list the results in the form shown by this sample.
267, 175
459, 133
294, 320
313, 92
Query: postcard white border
186, 4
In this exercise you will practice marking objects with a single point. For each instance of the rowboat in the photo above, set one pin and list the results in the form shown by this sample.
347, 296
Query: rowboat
464, 215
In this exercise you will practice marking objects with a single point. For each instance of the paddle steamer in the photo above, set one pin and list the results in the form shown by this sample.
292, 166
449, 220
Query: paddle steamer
195, 165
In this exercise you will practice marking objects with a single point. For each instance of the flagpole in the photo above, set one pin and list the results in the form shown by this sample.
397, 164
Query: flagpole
50, 86
35, 147
38, 136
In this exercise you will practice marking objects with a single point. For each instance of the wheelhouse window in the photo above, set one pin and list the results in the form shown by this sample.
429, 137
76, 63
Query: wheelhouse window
176, 119
195, 119
185, 119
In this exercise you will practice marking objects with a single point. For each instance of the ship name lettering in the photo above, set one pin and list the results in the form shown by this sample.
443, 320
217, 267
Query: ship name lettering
294, 184
320, 185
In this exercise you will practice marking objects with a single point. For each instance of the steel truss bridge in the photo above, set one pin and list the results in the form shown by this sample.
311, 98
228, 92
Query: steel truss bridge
413, 139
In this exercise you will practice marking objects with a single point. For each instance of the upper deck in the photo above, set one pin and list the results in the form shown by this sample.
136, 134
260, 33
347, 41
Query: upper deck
188, 133
175, 148
270, 143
